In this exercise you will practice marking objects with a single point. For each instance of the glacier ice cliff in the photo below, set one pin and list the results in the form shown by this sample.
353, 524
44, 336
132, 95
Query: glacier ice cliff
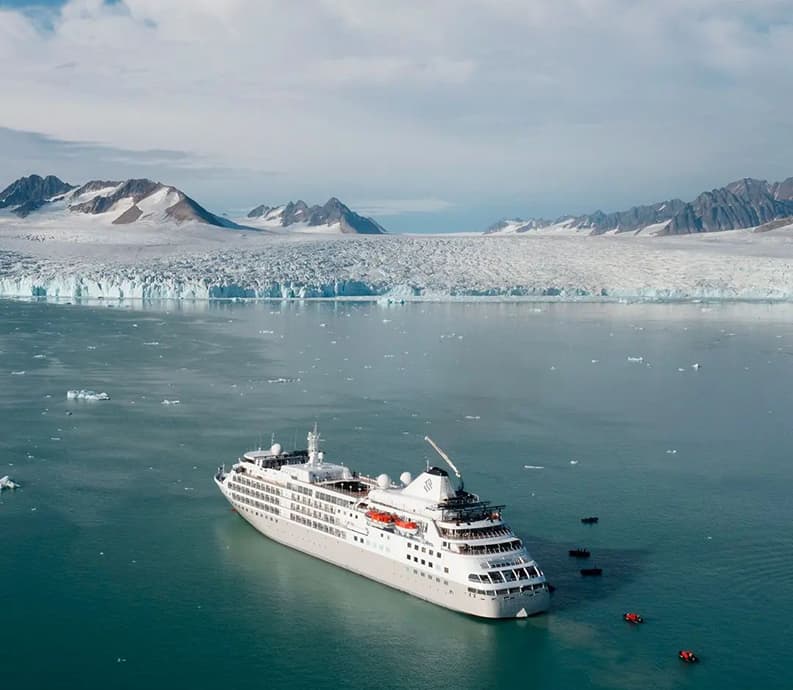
409, 267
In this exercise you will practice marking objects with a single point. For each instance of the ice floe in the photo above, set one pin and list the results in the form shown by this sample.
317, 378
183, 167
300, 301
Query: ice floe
7, 483
86, 395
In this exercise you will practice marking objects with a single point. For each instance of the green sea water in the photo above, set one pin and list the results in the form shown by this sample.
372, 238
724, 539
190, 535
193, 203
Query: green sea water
122, 567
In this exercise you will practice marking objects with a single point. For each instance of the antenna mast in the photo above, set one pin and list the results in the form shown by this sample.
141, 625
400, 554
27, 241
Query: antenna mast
444, 456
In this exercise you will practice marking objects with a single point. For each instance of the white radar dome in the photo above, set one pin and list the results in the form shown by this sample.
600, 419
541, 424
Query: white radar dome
406, 478
275, 449
384, 481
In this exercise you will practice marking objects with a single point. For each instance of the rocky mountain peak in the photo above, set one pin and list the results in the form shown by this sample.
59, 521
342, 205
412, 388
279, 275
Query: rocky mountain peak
332, 212
26, 194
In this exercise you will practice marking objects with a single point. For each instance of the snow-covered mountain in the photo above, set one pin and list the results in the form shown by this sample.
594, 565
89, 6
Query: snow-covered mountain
746, 203
117, 202
333, 217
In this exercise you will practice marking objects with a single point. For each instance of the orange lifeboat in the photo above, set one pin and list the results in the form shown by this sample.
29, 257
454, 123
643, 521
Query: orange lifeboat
405, 526
379, 519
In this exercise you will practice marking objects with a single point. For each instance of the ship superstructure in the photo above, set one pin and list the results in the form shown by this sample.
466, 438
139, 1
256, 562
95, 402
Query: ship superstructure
421, 536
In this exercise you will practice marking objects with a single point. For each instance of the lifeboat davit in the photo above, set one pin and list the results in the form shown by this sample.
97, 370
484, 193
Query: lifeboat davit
633, 618
379, 519
688, 656
405, 526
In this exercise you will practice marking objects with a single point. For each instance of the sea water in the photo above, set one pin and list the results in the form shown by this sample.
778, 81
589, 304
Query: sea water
121, 566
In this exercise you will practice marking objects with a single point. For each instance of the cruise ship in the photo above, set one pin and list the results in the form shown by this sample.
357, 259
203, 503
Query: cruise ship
422, 535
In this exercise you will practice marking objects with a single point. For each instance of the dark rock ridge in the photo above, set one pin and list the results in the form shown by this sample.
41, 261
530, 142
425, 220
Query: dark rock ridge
746, 203
30, 193
334, 211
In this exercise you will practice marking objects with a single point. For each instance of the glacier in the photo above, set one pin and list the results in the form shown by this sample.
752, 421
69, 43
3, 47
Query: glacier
198, 265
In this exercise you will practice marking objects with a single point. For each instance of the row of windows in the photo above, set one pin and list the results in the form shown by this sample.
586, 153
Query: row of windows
416, 558
424, 549
510, 562
321, 526
338, 500
255, 493
504, 592
428, 576
476, 532
266, 486
497, 577
256, 504
297, 507
490, 548
299, 488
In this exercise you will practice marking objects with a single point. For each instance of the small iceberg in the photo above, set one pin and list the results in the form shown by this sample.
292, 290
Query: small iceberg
86, 395
7, 483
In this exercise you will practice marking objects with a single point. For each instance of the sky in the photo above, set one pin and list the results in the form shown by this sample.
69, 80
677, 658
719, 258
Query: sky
430, 115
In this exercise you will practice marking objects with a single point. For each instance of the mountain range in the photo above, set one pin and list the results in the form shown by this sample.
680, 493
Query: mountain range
122, 202
332, 214
745, 203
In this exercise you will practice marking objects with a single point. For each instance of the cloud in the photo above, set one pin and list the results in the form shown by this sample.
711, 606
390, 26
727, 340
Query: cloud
600, 101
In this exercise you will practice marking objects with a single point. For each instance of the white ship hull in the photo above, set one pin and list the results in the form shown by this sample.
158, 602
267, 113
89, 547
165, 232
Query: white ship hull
364, 558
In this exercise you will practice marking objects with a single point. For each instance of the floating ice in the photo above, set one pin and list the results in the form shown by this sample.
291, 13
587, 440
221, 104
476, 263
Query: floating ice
7, 483
635, 359
86, 395
171, 402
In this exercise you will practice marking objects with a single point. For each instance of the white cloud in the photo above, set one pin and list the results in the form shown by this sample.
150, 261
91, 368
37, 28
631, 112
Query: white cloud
462, 99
